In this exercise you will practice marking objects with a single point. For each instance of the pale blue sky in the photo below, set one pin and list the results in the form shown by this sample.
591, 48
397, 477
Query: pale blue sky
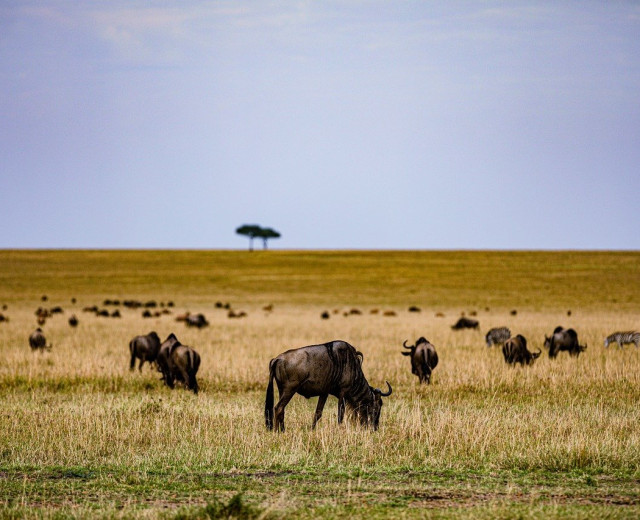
342, 124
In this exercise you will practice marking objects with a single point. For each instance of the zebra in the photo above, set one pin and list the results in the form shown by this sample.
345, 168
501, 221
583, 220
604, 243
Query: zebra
497, 336
622, 338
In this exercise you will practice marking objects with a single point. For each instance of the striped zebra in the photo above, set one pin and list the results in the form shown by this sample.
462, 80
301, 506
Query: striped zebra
497, 336
622, 338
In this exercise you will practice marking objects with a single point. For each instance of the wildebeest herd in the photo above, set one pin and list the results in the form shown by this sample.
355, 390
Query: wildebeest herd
333, 368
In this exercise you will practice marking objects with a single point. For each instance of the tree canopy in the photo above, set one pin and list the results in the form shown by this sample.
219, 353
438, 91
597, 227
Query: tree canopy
254, 231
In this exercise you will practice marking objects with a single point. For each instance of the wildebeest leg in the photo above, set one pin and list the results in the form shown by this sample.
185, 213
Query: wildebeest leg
279, 409
427, 376
341, 407
193, 383
321, 401
132, 365
140, 365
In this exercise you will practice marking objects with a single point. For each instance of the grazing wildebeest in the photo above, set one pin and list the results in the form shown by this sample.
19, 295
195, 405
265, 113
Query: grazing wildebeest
333, 368
424, 359
145, 348
37, 340
465, 323
563, 340
623, 338
163, 359
515, 351
178, 362
497, 336
73, 320
196, 320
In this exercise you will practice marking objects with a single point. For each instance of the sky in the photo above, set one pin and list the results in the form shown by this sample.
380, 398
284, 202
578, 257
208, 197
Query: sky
342, 124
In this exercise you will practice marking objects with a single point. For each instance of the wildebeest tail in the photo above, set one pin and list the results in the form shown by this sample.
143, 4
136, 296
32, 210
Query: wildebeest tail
268, 402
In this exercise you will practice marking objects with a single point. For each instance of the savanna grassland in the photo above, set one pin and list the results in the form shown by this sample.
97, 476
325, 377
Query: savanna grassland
82, 436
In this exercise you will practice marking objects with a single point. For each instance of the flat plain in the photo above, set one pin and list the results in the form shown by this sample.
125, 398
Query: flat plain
82, 436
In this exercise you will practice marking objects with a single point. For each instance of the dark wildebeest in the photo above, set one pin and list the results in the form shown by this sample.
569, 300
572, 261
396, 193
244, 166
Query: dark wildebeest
145, 348
196, 320
73, 320
515, 351
424, 359
497, 336
178, 362
563, 340
333, 368
465, 323
37, 340
163, 359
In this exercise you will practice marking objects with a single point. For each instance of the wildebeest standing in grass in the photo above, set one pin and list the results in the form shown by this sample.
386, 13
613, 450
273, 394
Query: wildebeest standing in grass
563, 340
515, 351
424, 359
465, 323
196, 320
145, 348
333, 368
37, 340
163, 359
178, 362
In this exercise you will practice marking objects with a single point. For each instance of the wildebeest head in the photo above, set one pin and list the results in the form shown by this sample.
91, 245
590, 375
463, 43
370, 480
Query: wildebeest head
369, 412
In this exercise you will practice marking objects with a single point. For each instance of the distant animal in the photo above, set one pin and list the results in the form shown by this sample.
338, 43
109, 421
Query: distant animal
333, 368
389, 313
37, 340
178, 362
43, 313
3, 317
424, 359
324, 315
623, 338
196, 320
515, 351
465, 323
144, 348
563, 340
497, 336
73, 320
414, 308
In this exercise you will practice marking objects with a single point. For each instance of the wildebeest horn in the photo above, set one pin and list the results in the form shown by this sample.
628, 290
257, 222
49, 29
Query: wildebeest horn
405, 344
387, 394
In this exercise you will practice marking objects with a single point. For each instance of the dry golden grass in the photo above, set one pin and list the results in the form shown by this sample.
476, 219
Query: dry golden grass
564, 428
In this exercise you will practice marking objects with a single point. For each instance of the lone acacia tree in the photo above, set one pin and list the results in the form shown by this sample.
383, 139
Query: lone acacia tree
251, 231
254, 231
266, 234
